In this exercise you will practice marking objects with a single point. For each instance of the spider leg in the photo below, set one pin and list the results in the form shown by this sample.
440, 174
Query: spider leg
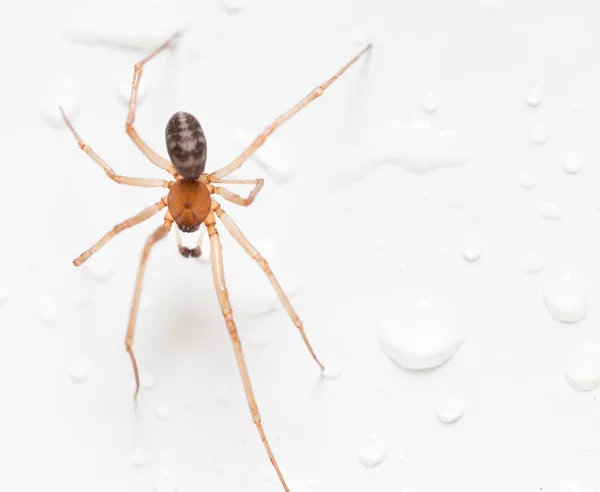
156, 159
258, 141
136, 219
237, 234
235, 198
216, 258
156, 236
145, 182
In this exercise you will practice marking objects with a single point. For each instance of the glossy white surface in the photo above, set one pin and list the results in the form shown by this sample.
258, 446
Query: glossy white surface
459, 125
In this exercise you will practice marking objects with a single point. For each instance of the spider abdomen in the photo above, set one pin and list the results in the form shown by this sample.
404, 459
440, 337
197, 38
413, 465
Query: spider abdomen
186, 145
189, 204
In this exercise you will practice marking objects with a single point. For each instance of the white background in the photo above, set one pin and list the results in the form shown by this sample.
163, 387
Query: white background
350, 250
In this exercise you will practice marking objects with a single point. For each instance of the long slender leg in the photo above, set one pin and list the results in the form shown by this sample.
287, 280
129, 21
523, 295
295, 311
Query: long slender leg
216, 259
258, 141
157, 235
235, 198
235, 231
142, 216
156, 159
145, 182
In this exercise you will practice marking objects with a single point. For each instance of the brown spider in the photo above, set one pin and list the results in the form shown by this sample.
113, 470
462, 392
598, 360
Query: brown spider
189, 204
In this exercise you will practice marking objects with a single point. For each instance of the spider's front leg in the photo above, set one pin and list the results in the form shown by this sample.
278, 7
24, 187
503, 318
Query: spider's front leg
216, 258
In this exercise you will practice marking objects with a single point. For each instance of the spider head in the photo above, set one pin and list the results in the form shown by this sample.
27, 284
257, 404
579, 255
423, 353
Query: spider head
186, 145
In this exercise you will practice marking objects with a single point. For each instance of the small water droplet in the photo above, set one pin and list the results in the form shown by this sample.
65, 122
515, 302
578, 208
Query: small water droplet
429, 103
30, 258
223, 394
65, 93
372, 449
332, 370
139, 457
572, 164
539, 135
123, 90
565, 297
421, 333
165, 483
233, 6
551, 211
47, 309
79, 369
147, 380
535, 97
472, 250
101, 265
163, 410
526, 180
450, 409
583, 368
532, 263
269, 157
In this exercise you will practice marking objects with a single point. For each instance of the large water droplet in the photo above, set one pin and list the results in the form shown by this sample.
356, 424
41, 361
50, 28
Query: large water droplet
572, 164
269, 157
526, 180
535, 97
373, 448
421, 333
450, 409
80, 367
551, 211
472, 250
47, 309
565, 297
163, 410
429, 104
165, 483
539, 135
65, 93
583, 368
532, 263
139, 457
233, 6
101, 265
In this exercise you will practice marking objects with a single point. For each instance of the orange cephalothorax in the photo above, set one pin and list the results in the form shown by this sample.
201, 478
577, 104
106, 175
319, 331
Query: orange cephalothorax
189, 204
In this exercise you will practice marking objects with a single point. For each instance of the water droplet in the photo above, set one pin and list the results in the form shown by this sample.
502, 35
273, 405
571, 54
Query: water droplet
400, 456
259, 335
532, 263
421, 333
361, 36
63, 92
79, 369
565, 297
3, 293
233, 6
429, 103
139, 457
583, 368
101, 265
47, 309
373, 448
535, 97
123, 90
145, 303
223, 394
147, 380
378, 244
526, 180
450, 409
165, 483
539, 135
30, 258
572, 164
574, 485
472, 250
551, 211
332, 370
163, 410
269, 157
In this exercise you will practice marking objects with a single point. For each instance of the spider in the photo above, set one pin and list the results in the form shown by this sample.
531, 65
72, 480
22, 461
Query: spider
190, 204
